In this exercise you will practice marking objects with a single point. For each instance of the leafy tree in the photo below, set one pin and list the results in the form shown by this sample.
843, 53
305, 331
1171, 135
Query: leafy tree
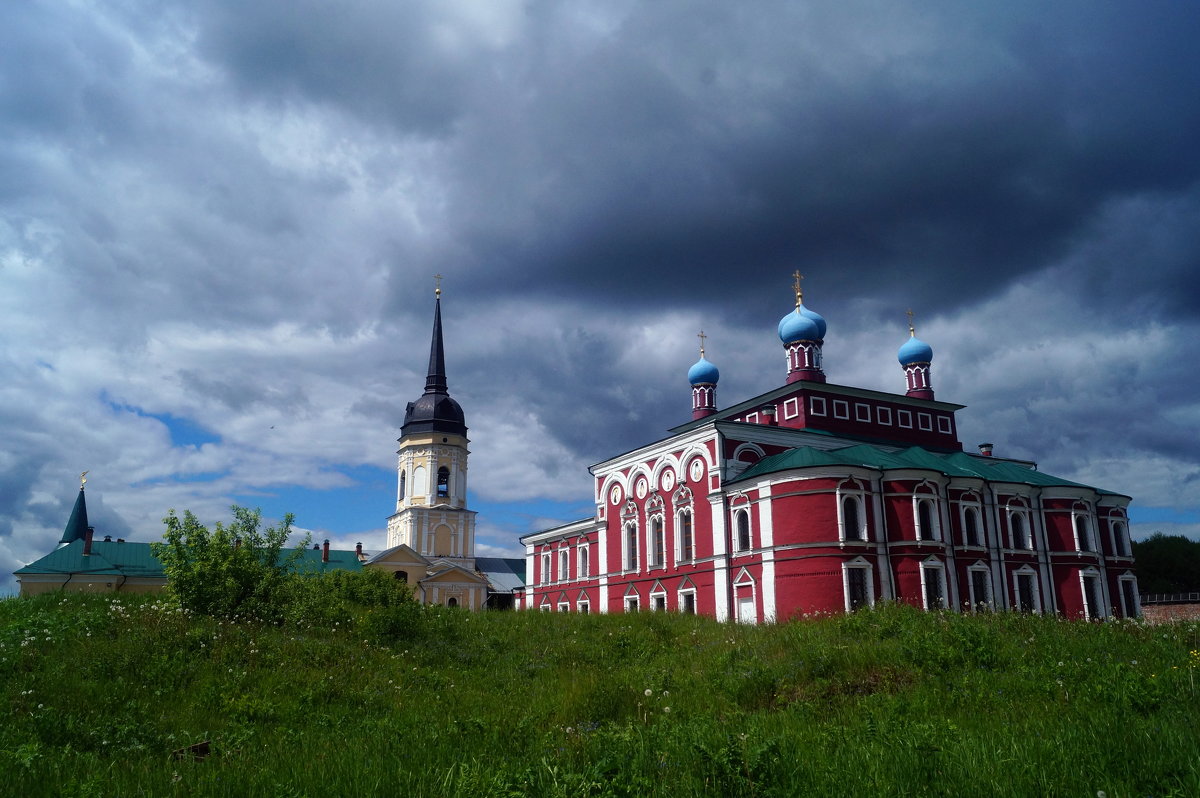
1167, 564
238, 570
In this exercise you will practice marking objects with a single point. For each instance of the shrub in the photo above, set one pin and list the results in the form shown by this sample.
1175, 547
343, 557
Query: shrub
339, 596
237, 570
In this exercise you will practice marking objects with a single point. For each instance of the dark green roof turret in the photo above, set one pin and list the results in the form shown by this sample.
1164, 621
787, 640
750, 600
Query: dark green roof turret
78, 524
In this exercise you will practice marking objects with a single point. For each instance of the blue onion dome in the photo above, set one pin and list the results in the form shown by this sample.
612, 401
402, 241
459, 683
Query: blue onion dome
817, 319
796, 326
914, 351
703, 372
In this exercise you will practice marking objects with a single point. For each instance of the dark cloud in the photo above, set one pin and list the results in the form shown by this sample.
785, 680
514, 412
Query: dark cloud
229, 213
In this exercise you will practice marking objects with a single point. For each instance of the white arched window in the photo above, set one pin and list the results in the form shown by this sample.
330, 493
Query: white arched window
1120, 539
925, 516
1083, 533
1018, 525
403, 477
1026, 594
685, 532
979, 583
972, 523
741, 529
852, 517
1092, 594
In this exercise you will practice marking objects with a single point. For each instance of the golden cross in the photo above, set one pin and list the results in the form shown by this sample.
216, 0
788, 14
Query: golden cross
797, 277
911, 330
438, 290
702, 336
83, 479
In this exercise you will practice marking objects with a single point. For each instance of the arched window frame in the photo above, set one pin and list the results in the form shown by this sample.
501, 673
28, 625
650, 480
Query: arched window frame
852, 495
547, 574
656, 533
742, 539
1083, 529
970, 508
1119, 530
582, 557
564, 564
629, 538
403, 483
1019, 518
925, 498
685, 527
744, 582
443, 482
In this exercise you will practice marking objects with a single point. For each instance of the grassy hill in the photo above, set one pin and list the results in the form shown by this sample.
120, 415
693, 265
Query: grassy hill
407, 701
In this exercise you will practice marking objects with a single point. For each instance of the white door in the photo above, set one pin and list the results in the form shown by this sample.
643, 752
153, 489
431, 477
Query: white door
745, 609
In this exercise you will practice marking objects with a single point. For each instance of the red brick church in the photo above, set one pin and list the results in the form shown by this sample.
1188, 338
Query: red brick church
818, 498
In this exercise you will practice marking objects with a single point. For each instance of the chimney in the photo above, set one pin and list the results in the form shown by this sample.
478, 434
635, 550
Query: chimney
120, 540
87, 541
325, 551
358, 549
769, 412
985, 449
107, 538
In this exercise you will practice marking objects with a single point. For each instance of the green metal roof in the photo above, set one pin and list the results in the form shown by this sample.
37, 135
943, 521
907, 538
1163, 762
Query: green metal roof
956, 464
135, 559
107, 557
310, 562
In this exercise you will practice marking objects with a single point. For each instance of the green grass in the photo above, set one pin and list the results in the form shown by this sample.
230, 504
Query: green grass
99, 692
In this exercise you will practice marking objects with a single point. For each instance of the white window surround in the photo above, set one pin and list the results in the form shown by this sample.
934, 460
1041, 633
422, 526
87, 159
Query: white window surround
925, 422
791, 408
682, 597
1035, 591
943, 424
841, 409
1081, 529
904, 418
685, 535
816, 405
868, 573
564, 606
744, 587
929, 502
631, 604
1119, 531
658, 598
583, 606
545, 605
932, 569
972, 509
564, 565
1018, 519
988, 598
1099, 611
656, 541
862, 412
547, 576
742, 531
883, 415
582, 565
857, 530
1128, 579
629, 545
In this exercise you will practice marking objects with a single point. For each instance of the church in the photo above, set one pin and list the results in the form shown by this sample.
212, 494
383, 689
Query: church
817, 498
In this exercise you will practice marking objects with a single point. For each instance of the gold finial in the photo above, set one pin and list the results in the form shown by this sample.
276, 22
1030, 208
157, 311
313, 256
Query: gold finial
702, 336
912, 332
83, 479
797, 279
437, 291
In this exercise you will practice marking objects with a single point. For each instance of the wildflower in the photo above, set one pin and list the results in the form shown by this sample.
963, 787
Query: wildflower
648, 692
666, 710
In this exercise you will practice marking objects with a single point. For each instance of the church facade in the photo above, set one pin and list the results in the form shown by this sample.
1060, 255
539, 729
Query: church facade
823, 498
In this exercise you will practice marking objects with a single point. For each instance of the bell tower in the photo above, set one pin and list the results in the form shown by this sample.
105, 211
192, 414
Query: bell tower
431, 497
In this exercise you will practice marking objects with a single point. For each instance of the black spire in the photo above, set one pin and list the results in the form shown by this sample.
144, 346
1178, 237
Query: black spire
435, 411
77, 526
435, 381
